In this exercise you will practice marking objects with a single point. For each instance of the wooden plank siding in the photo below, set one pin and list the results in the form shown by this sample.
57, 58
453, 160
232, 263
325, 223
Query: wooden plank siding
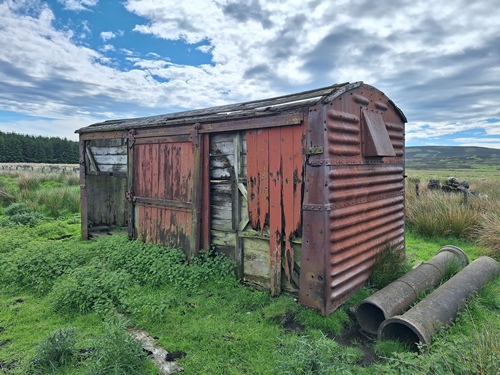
165, 192
104, 178
255, 202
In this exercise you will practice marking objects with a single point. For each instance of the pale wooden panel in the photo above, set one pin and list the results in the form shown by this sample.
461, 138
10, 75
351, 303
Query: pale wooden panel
122, 150
223, 238
110, 159
114, 168
256, 257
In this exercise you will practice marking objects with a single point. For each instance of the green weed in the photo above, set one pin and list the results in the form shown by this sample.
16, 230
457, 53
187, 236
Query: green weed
57, 351
304, 355
391, 264
115, 352
387, 348
156, 266
90, 288
36, 265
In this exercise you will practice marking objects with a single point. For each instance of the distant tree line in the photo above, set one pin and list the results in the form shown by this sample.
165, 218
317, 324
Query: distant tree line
17, 148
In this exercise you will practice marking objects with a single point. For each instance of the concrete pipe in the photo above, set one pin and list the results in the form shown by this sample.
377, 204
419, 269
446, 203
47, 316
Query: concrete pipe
397, 297
440, 308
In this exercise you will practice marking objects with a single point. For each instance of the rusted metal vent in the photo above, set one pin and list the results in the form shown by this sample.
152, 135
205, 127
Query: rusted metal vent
302, 191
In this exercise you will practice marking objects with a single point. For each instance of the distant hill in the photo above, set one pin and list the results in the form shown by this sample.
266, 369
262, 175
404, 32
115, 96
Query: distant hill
441, 157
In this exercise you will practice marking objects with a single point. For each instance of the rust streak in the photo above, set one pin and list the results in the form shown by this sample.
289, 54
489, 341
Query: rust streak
253, 181
263, 174
275, 208
289, 188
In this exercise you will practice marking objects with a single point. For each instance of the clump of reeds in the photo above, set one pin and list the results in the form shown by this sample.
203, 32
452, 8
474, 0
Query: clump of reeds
474, 216
489, 234
435, 213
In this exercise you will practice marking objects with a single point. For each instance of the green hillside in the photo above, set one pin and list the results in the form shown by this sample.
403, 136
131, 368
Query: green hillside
445, 157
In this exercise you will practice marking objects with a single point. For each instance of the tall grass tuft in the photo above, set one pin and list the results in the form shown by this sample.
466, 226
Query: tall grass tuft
55, 352
54, 201
435, 213
5, 197
115, 352
32, 180
489, 234
29, 180
390, 265
59, 200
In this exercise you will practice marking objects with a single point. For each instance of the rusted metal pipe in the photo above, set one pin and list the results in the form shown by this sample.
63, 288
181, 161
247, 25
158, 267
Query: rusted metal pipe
440, 308
396, 297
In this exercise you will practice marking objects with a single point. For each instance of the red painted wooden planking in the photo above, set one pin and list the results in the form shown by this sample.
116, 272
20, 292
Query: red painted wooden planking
275, 210
263, 174
288, 196
253, 182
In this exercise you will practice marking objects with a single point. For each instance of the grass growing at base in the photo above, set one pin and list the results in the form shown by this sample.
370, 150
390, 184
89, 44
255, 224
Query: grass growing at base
222, 326
51, 282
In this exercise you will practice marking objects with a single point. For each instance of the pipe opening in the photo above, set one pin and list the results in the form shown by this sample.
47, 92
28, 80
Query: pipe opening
401, 332
369, 317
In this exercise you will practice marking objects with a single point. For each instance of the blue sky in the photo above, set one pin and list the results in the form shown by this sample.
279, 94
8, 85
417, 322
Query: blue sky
68, 63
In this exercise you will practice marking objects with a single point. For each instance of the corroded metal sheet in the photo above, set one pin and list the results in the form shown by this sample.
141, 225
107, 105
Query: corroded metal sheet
357, 186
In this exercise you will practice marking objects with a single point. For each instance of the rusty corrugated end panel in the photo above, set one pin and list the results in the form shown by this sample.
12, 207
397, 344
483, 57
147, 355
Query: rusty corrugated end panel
355, 183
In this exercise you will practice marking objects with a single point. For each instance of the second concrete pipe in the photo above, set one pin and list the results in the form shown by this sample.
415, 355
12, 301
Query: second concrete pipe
396, 297
440, 308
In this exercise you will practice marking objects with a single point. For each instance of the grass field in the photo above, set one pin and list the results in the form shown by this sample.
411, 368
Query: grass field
66, 304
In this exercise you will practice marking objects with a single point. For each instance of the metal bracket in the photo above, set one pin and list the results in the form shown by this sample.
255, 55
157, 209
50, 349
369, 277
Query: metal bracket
314, 150
129, 196
194, 136
131, 138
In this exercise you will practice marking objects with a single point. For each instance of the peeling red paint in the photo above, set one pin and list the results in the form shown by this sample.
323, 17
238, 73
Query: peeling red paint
275, 209
263, 174
165, 174
279, 167
252, 179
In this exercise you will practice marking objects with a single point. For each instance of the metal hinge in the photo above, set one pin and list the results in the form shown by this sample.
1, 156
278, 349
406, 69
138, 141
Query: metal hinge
131, 138
194, 136
130, 197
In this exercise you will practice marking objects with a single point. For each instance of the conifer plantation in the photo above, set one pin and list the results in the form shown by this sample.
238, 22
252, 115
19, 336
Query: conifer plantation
17, 148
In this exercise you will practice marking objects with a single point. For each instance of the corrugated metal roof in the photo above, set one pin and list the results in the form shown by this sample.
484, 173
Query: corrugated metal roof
255, 108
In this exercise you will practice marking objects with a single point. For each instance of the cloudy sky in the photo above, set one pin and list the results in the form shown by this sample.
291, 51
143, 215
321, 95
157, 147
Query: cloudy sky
65, 64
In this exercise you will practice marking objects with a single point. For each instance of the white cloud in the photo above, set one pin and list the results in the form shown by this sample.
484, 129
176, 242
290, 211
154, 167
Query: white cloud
481, 142
107, 47
205, 49
78, 5
107, 35
434, 62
